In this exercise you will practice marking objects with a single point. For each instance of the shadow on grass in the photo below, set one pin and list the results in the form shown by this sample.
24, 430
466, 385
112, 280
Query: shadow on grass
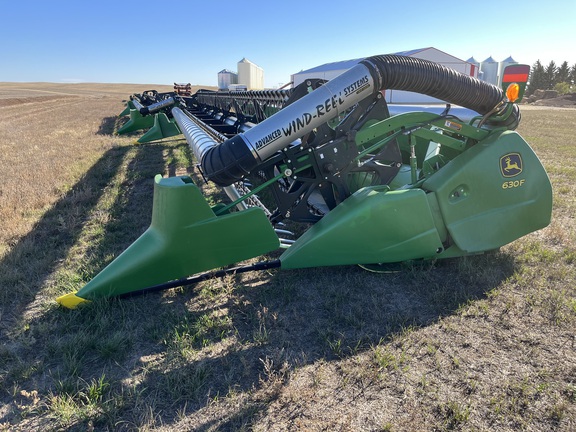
291, 319
297, 318
281, 320
52, 337
34, 258
25, 271
107, 126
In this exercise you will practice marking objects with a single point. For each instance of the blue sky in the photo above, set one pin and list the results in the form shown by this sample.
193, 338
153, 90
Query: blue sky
157, 42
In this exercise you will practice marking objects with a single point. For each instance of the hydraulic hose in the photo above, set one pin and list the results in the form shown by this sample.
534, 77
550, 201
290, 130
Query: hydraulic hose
228, 162
396, 72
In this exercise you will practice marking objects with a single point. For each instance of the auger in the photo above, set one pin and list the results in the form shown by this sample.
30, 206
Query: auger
371, 183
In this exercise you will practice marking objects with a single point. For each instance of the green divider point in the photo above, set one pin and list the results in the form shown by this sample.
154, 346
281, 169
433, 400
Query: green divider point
137, 122
129, 106
184, 238
163, 128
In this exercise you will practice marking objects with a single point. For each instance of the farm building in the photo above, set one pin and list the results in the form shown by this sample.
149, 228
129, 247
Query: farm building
251, 75
489, 68
331, 70
226, 78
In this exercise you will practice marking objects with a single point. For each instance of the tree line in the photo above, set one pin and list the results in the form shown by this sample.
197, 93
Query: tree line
561, 78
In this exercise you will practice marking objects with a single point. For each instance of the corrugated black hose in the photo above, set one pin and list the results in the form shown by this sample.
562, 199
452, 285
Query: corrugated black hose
395, 72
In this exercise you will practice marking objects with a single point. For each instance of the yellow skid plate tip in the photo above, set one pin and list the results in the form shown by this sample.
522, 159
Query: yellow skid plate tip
70, 301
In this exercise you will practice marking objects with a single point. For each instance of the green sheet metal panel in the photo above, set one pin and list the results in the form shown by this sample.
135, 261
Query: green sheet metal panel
184, 238
163, 128
493, 194
374, 225
136, 122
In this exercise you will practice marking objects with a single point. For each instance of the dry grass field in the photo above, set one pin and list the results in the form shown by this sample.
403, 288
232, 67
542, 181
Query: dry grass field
485, 343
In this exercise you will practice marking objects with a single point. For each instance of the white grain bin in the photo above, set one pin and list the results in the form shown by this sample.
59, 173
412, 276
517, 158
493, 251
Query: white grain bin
226, 78
251, 75
489, 68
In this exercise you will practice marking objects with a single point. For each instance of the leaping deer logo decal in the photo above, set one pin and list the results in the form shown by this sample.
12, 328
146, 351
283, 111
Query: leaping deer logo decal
511, 164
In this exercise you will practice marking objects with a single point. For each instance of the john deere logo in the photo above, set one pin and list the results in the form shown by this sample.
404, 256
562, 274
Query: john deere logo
511, 164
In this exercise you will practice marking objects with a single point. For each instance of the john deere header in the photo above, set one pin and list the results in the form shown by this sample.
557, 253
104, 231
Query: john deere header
374, 183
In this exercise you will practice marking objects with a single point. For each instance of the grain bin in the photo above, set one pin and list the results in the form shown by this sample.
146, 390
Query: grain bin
250, 74
226, 78
489, 68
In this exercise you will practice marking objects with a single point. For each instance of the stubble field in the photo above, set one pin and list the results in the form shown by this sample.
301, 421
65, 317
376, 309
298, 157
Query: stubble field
480, 343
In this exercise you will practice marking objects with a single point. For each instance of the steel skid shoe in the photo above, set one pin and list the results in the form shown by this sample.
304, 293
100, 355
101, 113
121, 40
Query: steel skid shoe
184, 238
163, 128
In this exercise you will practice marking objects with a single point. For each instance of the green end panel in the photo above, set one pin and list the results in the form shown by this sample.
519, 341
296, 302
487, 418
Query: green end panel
373, 225
184, 238
137, 121
493, 194
163, 128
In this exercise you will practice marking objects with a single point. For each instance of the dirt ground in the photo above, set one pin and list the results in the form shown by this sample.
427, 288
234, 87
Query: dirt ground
483, 343
564, 101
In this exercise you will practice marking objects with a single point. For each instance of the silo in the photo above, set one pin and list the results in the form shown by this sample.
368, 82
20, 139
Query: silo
489, 68
251, 75
503, 64
475, 69
225, 78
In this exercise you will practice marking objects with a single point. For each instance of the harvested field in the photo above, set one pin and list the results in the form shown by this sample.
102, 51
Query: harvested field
475, 344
